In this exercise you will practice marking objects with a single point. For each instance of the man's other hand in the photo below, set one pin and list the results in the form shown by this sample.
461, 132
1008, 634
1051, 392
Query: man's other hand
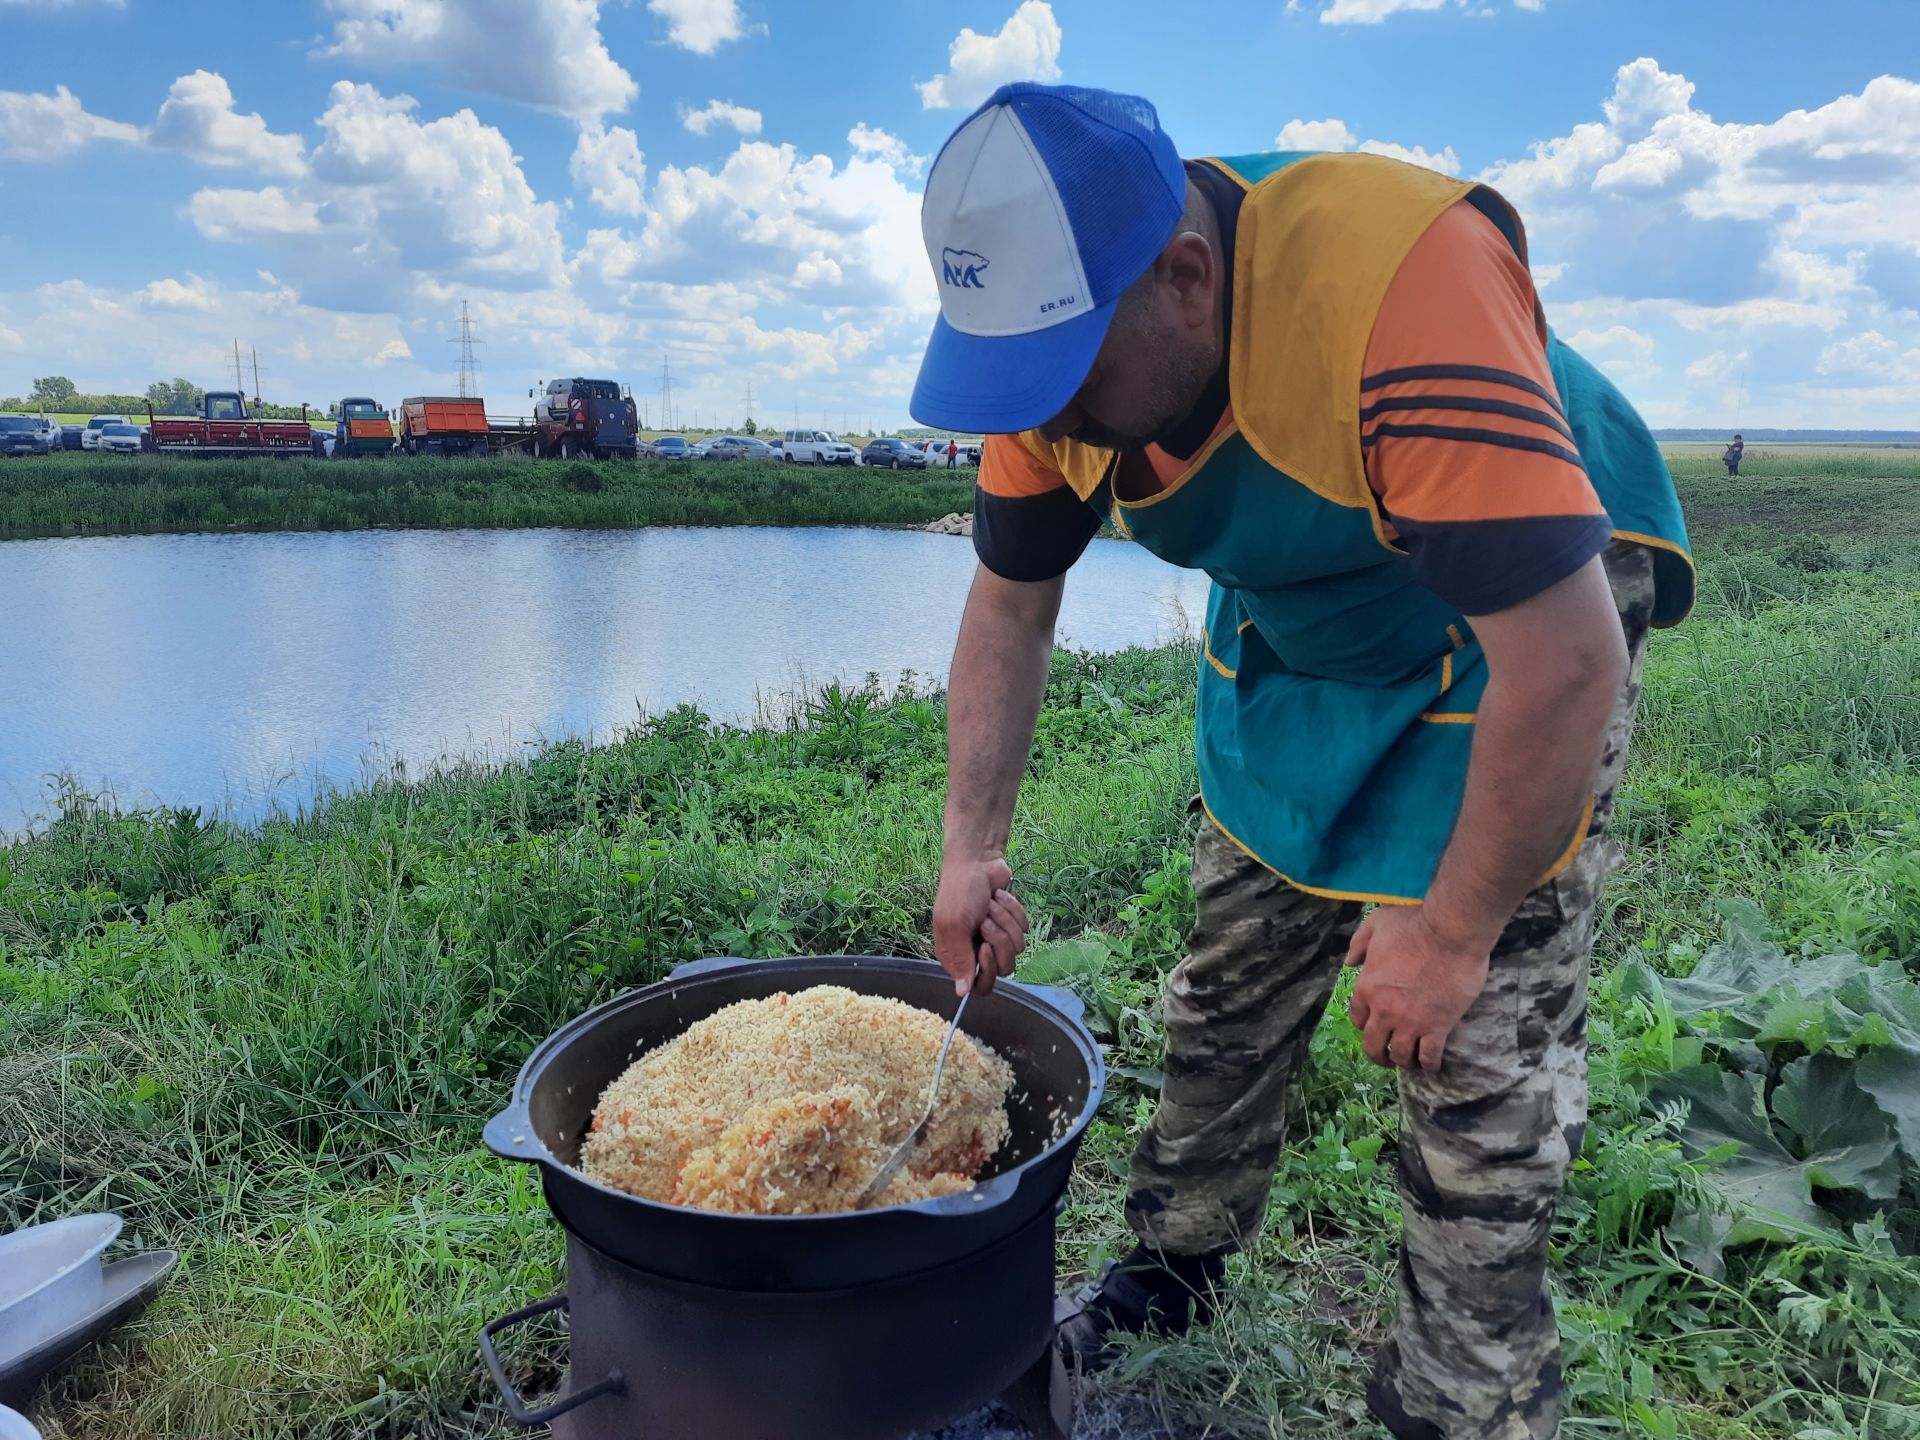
1413, 988
977, 920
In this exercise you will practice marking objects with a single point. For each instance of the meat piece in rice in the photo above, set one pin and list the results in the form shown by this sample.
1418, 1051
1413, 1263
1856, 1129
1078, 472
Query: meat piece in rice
789, 1105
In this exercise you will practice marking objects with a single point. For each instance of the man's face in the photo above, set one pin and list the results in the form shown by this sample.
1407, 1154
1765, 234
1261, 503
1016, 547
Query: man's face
1149, 373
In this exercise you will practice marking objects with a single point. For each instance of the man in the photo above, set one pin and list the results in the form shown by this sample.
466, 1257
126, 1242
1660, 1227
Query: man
1731, 457
953, 453
1437, 538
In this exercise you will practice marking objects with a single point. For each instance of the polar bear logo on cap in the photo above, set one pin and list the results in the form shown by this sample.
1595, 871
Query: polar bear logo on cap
961, 268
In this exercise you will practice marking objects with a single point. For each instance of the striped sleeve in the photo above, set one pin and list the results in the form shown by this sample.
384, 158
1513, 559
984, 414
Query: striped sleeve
1466, 444
1027, 522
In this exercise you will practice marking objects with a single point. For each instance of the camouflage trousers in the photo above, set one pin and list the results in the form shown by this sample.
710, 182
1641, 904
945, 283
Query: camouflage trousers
1485, 1142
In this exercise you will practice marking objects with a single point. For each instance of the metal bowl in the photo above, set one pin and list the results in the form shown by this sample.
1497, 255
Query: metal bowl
50, 1278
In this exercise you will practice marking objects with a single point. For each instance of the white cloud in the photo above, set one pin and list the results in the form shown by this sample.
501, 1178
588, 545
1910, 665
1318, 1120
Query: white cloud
550, 54
701, 26
171, 294
1338, 135
877, 144
1870, 353
198, 117
44, 128
1373, 12
1615, 339
1027, 47
236, 214
394, 349
609, 166
721, 112
1315, 135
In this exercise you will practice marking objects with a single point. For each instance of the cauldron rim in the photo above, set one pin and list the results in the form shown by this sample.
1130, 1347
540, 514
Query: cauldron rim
510, 1134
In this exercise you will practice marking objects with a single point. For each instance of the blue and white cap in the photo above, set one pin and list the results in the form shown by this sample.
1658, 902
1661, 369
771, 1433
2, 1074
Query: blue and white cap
1040, 211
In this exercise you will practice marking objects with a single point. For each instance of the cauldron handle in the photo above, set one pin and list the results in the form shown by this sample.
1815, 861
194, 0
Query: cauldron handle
615, 1383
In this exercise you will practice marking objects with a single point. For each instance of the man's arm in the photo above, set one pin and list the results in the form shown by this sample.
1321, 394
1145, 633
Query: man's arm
993, 698
1555, 663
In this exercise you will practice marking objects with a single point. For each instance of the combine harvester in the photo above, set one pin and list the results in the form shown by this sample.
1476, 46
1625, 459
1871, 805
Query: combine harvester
223, 427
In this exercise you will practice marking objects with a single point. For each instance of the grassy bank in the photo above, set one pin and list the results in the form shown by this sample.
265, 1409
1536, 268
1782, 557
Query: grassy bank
273, 1046
83, 494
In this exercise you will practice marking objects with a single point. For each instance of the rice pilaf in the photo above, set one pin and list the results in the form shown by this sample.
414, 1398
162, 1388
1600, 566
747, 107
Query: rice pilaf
789, 1105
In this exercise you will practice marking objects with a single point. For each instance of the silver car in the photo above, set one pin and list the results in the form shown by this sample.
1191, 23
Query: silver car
122, 439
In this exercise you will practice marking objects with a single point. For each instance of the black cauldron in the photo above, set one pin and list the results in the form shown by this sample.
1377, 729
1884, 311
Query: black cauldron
694, 1325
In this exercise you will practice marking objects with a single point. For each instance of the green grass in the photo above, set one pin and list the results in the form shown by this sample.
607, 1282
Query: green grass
273, 1046
85, 494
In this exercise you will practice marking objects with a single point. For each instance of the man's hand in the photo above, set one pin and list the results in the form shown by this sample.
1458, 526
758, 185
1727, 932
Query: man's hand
977, 920
1414, 986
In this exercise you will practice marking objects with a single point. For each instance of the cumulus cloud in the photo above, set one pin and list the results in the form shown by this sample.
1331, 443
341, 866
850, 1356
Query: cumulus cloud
701, 26
44, 128
1337, 135
198, 118
1870, 354
394, 349
236, 214
1027, 47
876, 144
723, 113
1373, 12
550, 55
608, 165
390, 198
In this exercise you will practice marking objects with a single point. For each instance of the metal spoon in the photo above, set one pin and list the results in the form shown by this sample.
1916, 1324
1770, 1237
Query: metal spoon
886, 1173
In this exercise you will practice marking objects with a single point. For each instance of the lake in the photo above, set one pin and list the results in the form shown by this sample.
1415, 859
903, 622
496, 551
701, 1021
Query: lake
243, 672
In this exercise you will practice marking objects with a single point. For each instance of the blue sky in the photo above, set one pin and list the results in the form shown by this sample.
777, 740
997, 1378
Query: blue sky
1724, 198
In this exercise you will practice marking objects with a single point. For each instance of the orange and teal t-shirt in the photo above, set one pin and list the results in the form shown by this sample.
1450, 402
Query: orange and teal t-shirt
1466, 444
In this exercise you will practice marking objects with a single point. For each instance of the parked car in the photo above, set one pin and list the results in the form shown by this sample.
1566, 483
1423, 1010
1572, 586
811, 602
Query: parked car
817, 447
671, 447
22, 435
122, 439
893, 455
70, 436
52, 430
90, 437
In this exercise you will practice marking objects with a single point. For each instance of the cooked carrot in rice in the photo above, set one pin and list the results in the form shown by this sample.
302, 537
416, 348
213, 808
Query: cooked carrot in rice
790, 1105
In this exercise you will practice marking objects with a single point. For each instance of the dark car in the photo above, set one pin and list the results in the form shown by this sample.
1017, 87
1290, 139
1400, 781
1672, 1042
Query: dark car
22, 435
893, 455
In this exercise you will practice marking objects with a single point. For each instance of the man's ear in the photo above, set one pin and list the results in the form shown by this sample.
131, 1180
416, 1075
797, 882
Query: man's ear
1190, 267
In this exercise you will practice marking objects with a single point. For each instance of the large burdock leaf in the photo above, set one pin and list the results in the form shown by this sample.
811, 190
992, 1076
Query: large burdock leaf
1755, 1187
1891, 1075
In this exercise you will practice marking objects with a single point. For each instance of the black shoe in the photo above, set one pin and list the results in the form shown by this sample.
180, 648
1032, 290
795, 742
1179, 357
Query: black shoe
1147, 1293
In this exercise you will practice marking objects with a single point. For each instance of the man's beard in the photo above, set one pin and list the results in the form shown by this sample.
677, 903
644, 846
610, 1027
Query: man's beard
1180, 379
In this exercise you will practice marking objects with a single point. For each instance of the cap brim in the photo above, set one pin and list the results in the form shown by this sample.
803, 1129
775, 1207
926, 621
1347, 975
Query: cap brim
1000, 384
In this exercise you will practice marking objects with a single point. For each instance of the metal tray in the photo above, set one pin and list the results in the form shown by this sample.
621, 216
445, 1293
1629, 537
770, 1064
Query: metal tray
126, 1287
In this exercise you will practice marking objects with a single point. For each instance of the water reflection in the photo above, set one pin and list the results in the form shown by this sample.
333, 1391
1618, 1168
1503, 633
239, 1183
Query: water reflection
238, 671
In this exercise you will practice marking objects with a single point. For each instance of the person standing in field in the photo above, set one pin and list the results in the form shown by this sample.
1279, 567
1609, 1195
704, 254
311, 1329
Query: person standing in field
1438, 538
953, 453
1731, 458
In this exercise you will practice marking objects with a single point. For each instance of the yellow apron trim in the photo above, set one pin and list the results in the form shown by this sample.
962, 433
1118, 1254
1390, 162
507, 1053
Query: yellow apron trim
1566, 859
1243, 627
1207, 649
1446, 672
1214, 162
1360, 895
1448, 717
1200, 458
1657, 543
1318, 243
1453, 634
1573, 848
